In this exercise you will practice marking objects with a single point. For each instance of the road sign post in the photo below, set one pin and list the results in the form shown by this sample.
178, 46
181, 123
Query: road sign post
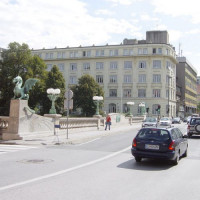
68, 104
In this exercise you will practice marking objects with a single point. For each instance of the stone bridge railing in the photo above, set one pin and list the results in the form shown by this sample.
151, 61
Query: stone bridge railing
80, 122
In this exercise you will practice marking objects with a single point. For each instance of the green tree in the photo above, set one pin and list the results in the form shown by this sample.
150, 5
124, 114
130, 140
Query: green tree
55, 80
15, 62
83, 94
18, 60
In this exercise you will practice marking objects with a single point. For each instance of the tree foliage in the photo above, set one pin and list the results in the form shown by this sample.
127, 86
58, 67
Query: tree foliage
83, 94
18, 60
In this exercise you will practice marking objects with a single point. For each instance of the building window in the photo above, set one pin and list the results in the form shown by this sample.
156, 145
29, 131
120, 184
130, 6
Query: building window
127, 93
113, 52
156, 93
112, 108
86, 53
142, 93
142, 64
127, 52
156, 64
99, 65
99, 78
113, 78
167, 93
61, 55
156, 78
73, 67
113, 93
73, 54
61, 67
49, 56
127, 65
72, 80
154, 51
142, 51
49, 66
113, 65
127, 78
159, 50
145, 51
168, 65
142, 78
154, 108
86, 66
99, 53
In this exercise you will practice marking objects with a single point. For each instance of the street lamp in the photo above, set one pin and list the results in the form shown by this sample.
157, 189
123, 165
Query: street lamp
142, 105
53, 94
96, 100
169, 77
129, 104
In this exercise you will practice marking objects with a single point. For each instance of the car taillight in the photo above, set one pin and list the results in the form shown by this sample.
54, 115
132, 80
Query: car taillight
188, 127
134, 143
172, 146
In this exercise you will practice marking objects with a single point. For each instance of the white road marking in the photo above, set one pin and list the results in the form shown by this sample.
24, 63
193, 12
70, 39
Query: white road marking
87, 142
63, 171
4, 148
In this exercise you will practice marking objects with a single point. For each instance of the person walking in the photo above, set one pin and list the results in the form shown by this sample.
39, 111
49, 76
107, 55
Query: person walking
108, 122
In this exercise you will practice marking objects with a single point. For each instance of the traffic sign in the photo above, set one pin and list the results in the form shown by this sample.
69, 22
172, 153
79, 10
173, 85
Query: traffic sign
69, 94
68, 104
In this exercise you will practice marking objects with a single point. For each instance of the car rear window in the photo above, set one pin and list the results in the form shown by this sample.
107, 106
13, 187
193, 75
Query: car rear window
195, 121
157, 134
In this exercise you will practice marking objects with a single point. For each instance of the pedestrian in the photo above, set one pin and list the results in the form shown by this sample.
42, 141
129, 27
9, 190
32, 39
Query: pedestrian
108, 122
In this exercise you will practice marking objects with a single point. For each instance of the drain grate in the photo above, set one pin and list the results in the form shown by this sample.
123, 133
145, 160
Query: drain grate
35, 161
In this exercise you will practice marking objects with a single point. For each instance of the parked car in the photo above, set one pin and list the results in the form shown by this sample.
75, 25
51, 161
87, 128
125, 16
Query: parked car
185, 119
160, 143
188, 119
176, 120
165, 121
150, 121
193, 126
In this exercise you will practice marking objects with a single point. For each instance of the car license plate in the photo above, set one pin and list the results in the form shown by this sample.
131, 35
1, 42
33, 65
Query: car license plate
150, 146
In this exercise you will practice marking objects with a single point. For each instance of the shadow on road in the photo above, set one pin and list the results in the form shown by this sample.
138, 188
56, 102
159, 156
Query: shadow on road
194, 137
146, 165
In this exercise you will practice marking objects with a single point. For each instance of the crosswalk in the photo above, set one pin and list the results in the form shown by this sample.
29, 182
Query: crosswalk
5, 148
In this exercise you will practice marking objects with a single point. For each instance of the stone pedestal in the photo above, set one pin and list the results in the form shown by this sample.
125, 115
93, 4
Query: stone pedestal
23, 122
16, 111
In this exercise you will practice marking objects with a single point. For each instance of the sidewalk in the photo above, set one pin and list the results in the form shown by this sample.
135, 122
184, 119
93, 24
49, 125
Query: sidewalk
77, 136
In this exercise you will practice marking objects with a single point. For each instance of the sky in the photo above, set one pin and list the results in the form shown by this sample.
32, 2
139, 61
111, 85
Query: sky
62, 23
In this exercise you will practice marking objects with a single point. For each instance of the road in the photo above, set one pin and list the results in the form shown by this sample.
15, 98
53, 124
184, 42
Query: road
100, 169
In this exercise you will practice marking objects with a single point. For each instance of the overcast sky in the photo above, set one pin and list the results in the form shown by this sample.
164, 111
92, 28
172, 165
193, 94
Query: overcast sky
62, 23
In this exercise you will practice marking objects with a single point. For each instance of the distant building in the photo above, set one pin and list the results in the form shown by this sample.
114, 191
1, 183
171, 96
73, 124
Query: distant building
198, 89
187, 79
135, 70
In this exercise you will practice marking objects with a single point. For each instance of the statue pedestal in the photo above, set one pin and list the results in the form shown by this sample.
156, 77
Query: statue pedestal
16, 112
23, 122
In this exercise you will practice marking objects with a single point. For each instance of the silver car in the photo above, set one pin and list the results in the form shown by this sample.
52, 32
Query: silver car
150, 121
165, 121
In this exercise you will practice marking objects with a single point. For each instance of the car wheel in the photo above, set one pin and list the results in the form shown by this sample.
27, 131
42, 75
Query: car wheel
138, 159
185, 154
175, 162
197, 128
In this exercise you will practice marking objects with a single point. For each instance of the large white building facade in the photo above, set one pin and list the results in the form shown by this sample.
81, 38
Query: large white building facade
134, 71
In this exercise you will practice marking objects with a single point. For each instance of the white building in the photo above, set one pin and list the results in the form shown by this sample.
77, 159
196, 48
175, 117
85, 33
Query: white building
134, 71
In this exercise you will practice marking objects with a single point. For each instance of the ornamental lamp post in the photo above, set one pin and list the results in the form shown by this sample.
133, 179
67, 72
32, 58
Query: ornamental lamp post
129, 104
53, 94
96, 100
142, 105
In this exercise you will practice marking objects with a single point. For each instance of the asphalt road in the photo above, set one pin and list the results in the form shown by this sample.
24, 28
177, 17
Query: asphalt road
100, 169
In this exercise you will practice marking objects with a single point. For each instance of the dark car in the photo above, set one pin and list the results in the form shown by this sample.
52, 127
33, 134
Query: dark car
176, 120
193, 126
160, 143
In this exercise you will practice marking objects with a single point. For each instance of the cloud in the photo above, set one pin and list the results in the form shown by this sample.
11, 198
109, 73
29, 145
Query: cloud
178, 8
104, 12
123, 2
146, 17
41, 24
